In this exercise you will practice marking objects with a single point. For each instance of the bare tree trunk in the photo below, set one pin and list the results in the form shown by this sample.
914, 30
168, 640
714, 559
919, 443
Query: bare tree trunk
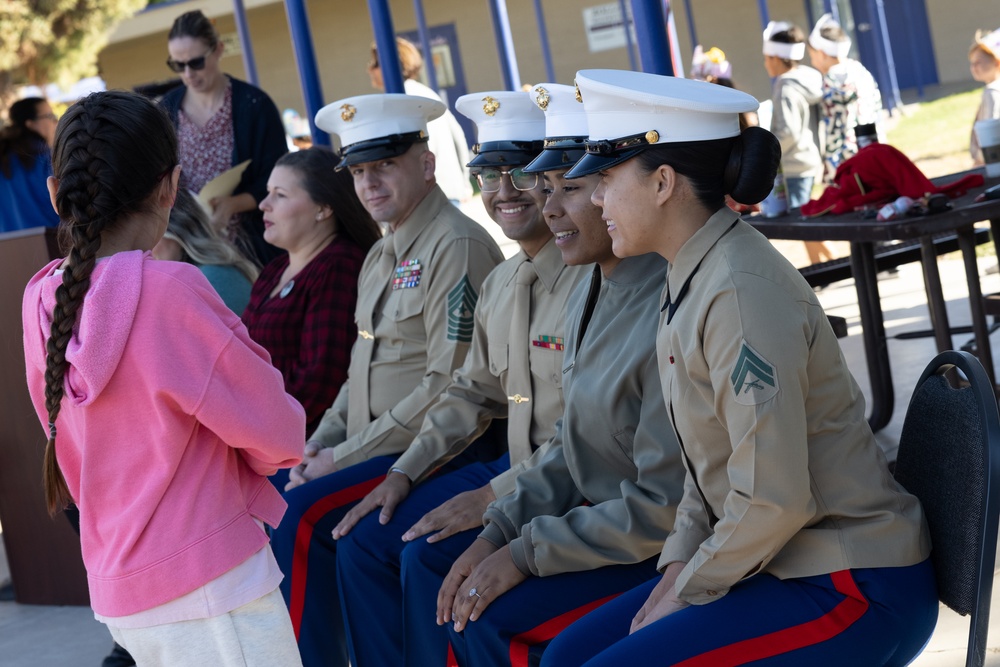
7, 94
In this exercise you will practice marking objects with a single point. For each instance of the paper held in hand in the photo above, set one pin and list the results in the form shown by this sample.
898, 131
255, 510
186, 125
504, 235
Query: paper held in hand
222, 185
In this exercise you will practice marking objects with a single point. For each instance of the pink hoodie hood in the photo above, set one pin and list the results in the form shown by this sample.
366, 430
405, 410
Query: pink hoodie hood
103, 325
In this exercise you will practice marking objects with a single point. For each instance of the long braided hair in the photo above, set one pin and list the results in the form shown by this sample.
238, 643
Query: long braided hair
112, 151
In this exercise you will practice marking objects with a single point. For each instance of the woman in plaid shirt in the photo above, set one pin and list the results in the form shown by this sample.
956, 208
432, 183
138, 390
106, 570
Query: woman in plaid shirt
302, 306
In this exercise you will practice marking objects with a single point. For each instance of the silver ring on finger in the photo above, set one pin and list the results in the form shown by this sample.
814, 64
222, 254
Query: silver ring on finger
475, 594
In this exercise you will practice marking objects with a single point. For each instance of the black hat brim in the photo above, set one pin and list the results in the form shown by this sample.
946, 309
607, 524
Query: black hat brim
505, 153
591, 163
502, 159
555, 159
377, 149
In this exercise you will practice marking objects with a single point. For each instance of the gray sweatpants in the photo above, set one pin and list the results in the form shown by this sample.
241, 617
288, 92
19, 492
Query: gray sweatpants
257, 634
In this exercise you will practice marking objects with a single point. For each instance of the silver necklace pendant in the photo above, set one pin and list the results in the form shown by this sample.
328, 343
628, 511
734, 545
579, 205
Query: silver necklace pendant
287, 289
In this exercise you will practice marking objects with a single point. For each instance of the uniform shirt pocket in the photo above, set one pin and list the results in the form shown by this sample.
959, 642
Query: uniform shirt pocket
546, 364
402, 330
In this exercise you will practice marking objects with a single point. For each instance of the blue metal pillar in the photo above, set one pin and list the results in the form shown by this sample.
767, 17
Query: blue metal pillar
243, 30
830, 7
385, 44
505, 45
765, 16
651, 33
628, 36
676, 61
425, 44
543, 37
305, 60
690, 22
882, 40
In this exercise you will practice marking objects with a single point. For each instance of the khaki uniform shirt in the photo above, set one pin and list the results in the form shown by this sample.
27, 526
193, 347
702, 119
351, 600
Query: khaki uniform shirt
784, 475
614, 448
414, 324
478, 391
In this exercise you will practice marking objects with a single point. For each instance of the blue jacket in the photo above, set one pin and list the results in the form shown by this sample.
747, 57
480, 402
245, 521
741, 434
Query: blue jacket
24, 197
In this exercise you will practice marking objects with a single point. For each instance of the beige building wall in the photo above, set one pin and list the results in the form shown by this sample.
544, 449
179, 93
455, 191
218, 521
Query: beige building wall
953, 27
342, 35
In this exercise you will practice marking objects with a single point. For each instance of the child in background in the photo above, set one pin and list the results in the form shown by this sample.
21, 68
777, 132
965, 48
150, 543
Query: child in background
190, 238
168, 417
984, 62
795, 95
850, 94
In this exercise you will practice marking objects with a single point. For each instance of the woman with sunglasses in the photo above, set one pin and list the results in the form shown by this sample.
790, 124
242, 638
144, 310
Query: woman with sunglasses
25, 164
792, 545
221, 122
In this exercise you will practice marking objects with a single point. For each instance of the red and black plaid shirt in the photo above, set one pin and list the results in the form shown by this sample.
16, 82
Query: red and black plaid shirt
309, 332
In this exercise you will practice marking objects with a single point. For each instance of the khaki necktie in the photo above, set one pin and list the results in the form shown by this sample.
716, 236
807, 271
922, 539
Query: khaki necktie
359, 407
519, 406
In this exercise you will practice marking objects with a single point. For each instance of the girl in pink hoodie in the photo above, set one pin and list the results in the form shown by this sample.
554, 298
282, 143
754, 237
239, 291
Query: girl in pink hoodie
169, 418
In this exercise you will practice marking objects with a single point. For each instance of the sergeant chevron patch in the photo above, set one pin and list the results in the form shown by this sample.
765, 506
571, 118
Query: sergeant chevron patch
461, 306
754, 378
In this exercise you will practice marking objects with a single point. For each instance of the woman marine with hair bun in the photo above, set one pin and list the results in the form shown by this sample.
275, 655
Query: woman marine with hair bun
792, 545
163, 417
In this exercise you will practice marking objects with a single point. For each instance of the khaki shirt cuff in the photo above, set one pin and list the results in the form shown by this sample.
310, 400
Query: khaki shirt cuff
412, 464
674, 551
696, 589
328, 435
505, 483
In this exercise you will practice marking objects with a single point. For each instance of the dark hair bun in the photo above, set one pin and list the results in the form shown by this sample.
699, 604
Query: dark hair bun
753, 164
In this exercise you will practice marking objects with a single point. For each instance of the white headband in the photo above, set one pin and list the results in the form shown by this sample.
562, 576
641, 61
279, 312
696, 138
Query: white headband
991, 41
782, 50
828, 46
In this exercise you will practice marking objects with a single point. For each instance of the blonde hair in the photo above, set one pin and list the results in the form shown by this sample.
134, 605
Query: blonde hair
980, 45
411, 61
189, 227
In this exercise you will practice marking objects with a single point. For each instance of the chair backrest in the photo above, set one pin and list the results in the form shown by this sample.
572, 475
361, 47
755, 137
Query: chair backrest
949, 458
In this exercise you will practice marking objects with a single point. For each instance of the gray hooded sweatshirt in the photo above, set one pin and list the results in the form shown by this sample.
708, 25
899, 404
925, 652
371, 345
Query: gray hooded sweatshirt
795, 122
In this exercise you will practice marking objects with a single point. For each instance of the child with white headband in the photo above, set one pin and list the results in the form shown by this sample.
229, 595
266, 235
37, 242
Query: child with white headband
795, 95
850, 94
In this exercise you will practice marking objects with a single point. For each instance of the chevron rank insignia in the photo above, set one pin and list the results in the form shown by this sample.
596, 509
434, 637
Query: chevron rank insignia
461, 306
754, 378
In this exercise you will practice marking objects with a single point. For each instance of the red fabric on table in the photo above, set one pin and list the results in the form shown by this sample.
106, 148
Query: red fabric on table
878, 174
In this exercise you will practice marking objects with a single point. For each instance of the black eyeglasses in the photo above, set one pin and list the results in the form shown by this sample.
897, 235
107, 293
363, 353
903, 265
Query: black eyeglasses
196, 64
490, 179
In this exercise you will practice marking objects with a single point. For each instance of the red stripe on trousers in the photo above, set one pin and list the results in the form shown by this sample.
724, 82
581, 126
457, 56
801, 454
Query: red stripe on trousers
303, 536
819, 630
452, 661
520, 644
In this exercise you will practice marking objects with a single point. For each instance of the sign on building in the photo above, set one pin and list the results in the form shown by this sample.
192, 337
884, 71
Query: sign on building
605, 28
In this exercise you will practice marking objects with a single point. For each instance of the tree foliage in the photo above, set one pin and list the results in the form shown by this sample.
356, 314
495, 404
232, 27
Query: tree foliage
56, 41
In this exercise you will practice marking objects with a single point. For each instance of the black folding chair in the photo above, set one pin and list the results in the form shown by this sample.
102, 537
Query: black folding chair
949, 458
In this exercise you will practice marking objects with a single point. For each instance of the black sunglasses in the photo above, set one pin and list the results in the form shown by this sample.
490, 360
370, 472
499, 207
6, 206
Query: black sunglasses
195, 64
